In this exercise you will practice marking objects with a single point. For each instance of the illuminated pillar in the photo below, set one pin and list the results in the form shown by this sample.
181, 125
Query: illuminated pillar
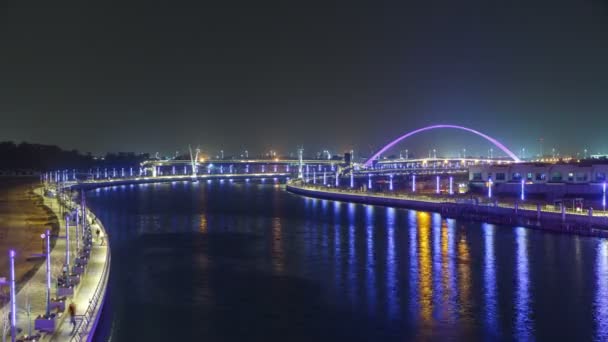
77, 229
113, 172
83, 207
275, 168
67, 243
390, 184
314, 176
173, 170
324, 178
523, 190
337, 179
131, 171
247, 168
47, 236
185, 170
300, 171
451, 185
604, 196
287, 168
369, 181
264, 168
413, 183
73, 174
490, 183
221, 168
352, 180
122, 172
437, 189
13, 318
105, 173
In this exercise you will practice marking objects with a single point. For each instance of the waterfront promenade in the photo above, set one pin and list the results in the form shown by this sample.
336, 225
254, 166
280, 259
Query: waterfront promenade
533, 215
88, 294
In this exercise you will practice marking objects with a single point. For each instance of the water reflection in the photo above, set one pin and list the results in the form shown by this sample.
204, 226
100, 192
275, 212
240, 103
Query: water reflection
523, 320
385, 273
202, 227
370, 269
413, 259
489, 279
448, 269
425, 274
278, 255
601, 296
391, 265
464, 282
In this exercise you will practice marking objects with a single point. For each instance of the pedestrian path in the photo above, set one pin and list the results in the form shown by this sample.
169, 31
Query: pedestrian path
88, 295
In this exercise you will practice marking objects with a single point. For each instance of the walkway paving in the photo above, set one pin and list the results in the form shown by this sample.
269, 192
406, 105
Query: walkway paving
34, 292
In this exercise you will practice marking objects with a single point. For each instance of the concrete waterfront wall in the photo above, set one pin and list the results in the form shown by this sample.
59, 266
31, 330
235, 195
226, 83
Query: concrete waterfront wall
573, 223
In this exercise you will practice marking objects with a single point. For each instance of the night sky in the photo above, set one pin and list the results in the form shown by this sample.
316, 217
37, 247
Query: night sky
265, 75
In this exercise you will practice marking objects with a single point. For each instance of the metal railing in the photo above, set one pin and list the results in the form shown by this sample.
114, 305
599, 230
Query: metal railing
454, 199
83, 330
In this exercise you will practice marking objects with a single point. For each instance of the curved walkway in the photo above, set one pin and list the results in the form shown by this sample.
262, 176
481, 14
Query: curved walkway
88, 295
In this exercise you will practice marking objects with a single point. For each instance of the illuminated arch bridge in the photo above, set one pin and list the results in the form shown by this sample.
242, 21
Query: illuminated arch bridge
428, 128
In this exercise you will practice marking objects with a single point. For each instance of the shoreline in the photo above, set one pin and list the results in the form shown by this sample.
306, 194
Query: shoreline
596, 226
89, 293
23, 217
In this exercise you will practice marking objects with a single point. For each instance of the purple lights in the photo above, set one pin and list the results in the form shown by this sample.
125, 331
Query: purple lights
409, 134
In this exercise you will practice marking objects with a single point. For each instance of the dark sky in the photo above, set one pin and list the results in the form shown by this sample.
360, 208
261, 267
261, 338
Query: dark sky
260, 75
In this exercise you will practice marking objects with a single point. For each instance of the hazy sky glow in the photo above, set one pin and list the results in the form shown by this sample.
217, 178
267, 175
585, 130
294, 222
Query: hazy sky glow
262, 75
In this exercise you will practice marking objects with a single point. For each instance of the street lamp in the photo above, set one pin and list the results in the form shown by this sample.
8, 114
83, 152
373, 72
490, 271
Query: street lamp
604, 196
413, 183
451, 185
47, 237
437, 189
11, 255
490, 187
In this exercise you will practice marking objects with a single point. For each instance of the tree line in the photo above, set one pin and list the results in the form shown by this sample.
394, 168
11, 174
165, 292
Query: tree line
39, 157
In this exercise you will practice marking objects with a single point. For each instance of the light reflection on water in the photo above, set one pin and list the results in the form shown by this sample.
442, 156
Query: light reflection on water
392, 274
523, 319
601, 297
491, 312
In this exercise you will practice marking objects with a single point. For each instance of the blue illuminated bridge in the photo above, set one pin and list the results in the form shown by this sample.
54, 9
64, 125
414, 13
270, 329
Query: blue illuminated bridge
282, 169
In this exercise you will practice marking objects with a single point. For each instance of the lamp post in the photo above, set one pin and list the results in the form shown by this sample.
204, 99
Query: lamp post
490, 187
437, 189
13, 318
67, 247
413, 183
604, 196
451, 185
47, 237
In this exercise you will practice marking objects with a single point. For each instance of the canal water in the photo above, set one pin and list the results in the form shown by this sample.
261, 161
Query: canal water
245, 262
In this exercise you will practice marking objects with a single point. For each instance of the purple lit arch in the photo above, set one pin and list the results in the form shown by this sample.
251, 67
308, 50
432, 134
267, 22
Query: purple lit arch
409, 134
